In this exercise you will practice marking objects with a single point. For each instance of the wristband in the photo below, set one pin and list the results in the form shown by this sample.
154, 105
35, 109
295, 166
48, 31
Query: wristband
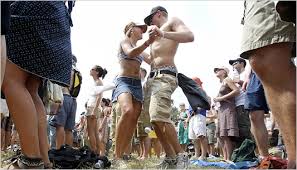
163, 34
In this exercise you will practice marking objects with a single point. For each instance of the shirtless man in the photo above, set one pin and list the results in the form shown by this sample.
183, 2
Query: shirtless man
162, 81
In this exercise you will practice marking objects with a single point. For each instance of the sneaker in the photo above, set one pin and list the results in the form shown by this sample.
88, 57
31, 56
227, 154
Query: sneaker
182, 161
211, 156
25, 162
167, 163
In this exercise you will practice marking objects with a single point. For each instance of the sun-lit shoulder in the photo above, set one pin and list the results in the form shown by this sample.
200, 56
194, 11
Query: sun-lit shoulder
174, 20
228, 80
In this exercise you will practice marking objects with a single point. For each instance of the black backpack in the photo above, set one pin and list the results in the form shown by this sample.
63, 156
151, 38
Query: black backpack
77, 80
69, 158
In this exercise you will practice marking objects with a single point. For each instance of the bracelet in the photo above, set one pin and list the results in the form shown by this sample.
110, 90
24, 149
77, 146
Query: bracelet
163, 34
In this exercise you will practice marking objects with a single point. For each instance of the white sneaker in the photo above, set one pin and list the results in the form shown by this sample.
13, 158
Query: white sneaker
167, 163
182, 161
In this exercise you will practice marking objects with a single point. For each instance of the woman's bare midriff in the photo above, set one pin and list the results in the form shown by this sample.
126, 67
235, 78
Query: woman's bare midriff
130, 68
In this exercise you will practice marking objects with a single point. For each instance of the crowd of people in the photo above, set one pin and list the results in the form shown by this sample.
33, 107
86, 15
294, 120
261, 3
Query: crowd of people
138, 115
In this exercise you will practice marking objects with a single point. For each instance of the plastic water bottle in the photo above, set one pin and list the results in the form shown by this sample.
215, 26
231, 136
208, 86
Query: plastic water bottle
147, 129
99, 165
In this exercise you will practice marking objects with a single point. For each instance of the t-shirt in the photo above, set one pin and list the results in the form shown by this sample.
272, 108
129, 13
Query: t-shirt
240, 98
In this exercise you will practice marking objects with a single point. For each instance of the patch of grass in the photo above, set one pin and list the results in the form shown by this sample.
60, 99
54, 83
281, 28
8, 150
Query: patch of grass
4, 156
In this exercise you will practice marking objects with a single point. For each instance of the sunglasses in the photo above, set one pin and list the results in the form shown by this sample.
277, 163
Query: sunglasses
151, 20
237, 62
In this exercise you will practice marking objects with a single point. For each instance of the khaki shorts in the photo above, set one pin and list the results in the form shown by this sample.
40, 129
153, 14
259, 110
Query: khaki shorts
143, 122
157, 97
97, 112
263, 26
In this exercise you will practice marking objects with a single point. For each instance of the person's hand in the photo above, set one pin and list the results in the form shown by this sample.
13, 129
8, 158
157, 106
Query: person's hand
217, 99
157, 30
244, 85
152, 36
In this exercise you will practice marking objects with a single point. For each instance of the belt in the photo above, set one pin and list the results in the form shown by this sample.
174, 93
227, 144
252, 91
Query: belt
155, 73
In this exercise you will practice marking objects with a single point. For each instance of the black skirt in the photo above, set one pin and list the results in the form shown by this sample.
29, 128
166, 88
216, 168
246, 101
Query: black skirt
39, 39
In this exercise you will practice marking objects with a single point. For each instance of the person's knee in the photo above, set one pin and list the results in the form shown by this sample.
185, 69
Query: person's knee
128, 112
14, 78
32, 85
68, 132
264, 60
256, 117
59, 129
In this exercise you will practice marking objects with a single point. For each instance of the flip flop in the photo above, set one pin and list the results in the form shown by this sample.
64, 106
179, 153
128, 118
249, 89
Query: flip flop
265, 163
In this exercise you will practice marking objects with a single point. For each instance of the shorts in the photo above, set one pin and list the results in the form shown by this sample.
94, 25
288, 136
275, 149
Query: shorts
244, 123
157, 97
66, 114
263, 26
97, 111
142, 123
128, 85
210, 133
197, 126
255, 96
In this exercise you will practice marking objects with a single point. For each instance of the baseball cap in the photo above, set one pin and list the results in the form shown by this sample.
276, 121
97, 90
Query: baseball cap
129, 27
221, 68
238, 59
148, 19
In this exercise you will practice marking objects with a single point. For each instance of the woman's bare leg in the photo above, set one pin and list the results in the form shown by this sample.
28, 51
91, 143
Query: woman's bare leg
22, 109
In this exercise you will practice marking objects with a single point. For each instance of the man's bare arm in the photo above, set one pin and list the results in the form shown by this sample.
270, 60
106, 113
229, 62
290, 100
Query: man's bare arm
180, 32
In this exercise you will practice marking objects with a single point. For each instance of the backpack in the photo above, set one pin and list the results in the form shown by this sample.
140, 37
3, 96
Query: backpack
69, 158
245, 152
52, 97
77, 80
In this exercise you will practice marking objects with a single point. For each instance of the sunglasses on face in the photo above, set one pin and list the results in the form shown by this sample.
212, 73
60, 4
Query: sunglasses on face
237, 62
152, 19
218, 70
